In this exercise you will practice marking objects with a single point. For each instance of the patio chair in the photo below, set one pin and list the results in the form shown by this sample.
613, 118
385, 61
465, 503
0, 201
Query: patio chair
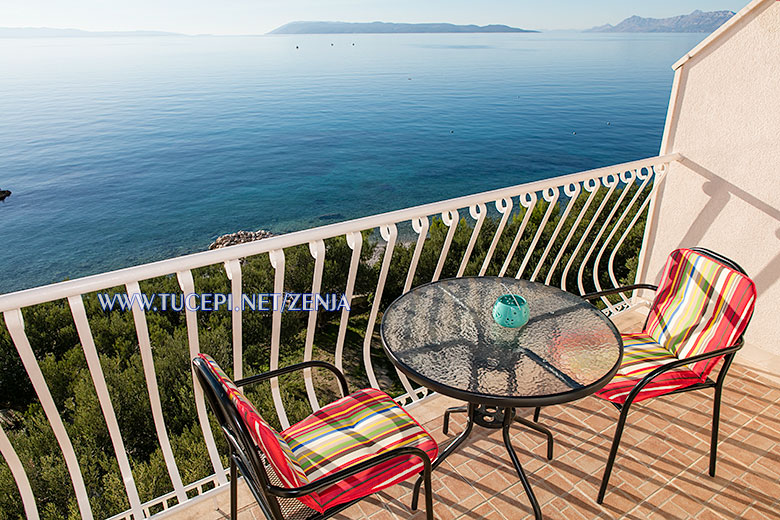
701, 310
347, 450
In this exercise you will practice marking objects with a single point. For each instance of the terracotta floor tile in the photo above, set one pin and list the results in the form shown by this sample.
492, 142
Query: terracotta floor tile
661, 471
485, 511
382, 515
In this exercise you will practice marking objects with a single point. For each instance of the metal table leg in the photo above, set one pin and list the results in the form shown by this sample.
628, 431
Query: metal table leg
490, 417
541, 429
455, 409
508, 416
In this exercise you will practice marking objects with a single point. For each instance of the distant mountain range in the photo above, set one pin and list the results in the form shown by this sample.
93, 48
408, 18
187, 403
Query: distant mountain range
48, 32
391, 28
696, 22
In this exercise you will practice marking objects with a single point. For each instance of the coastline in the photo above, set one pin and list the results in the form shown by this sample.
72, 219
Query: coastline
239, 237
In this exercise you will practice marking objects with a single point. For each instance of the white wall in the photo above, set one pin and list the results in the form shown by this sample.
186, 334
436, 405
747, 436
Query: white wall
725, 195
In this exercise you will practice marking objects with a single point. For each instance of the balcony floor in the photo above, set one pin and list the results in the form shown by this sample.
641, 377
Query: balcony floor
660, 472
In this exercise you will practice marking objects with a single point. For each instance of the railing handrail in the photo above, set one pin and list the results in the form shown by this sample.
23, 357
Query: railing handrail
550, 199
92, 283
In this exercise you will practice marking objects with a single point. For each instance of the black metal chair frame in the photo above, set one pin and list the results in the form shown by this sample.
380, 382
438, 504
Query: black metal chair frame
727, 352
244, 456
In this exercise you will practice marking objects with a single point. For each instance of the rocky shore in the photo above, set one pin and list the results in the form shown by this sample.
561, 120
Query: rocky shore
240, 237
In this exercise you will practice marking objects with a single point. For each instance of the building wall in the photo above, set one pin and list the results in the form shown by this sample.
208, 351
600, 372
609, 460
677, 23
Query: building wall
725, 193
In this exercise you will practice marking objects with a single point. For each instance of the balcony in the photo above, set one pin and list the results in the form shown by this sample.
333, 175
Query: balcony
581, 232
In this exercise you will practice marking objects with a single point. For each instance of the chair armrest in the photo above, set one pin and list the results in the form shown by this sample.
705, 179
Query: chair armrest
682, 362
324, 482
294, 368
599, 294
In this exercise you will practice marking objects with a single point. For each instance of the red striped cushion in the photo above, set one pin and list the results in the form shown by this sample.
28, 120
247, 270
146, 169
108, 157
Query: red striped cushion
701, 305
355, 428
641, 355
268, 440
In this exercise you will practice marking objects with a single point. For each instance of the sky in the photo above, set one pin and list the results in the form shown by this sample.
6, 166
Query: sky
261, 16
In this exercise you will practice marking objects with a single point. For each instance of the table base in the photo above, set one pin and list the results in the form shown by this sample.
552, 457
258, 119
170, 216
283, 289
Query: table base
493, 418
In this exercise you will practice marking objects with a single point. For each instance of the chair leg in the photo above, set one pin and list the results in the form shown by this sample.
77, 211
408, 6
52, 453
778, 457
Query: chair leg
233, 488
613, 452
451, 447
536, 413
428, 495
715, 427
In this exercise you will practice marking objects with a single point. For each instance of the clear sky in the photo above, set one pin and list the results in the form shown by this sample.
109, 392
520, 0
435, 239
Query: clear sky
261, 16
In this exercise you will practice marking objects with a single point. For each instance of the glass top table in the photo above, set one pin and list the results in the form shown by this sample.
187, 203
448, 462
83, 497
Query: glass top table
442, 336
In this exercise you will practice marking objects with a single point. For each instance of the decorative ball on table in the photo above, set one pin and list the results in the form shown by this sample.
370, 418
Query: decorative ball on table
511, 310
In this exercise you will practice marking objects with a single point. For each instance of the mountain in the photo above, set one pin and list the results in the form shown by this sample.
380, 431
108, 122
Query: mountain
48, 32
383, 27
696, 22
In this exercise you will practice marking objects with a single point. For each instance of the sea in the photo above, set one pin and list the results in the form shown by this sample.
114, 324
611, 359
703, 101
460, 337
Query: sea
126, 150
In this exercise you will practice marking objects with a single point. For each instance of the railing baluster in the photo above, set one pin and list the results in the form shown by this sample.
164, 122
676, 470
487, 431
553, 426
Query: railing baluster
477, 212
277, 262
147, 359
585, 234
528, 201
355, 242
233, 270
611, 307
389, 234
603, 228
450, 219
571, 191
504, 206
317, 250
551, 196
656, 181
420, 226
98, 379
611, 234
591, 186
187, 285
15, 324
660, 169
20, 476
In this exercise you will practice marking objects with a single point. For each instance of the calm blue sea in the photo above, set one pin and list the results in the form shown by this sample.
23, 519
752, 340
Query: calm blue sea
121, 151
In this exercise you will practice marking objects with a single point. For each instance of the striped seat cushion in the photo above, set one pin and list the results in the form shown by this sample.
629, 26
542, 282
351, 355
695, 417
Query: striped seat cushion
701, 305
352, 429
641, 355
266, 439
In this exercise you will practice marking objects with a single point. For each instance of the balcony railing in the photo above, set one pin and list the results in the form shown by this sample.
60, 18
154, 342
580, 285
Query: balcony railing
567, 231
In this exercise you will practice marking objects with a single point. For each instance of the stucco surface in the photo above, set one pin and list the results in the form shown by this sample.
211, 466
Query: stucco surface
725, 193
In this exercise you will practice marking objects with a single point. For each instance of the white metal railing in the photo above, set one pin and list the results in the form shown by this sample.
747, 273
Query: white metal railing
609, 203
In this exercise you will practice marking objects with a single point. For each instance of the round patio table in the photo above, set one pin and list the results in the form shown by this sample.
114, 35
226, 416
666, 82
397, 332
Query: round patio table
442, 336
